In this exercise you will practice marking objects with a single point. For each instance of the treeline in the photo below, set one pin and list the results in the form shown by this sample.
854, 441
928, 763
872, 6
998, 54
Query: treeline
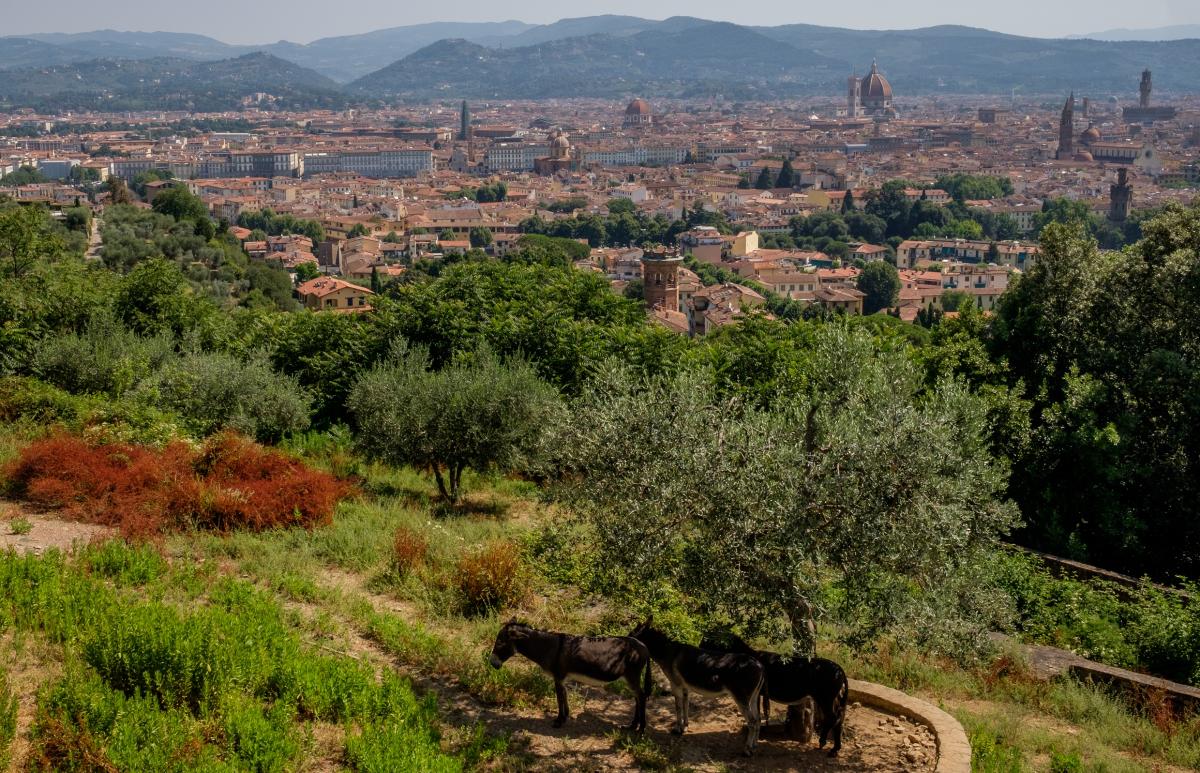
269, 223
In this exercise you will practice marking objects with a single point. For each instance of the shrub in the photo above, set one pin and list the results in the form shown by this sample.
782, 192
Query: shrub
1065, 762
231, 483
409, 548
20, 526
107, 359
490, 577
100, 419
214, 392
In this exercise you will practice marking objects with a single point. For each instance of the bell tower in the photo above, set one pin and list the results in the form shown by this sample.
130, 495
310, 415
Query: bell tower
1120, 198
1145, 88
660, 278
1066, 131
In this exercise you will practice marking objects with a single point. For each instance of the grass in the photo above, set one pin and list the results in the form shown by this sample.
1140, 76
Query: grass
152, 685
272, 616
20, 526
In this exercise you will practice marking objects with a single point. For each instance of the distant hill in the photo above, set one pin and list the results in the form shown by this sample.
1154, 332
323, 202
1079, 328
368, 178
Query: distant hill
170, 84
968, 60
352, 56
341, 58
703, 58
1175, 32
621, 55
684, 56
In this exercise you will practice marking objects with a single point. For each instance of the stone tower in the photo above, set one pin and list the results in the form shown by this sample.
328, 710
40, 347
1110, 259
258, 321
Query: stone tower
660, 278
1066, 131
1145, 88
853, 96
464, 122
1120, 198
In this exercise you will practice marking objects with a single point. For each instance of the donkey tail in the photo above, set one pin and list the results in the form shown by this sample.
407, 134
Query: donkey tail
647, 683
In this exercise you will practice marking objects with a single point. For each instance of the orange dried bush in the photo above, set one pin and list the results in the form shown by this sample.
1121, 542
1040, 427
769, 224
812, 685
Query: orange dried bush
490, 577
409, 548
231, 483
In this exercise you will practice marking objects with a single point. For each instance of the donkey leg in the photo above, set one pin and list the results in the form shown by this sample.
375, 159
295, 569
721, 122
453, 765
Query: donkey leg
750, 714
687, 708
639, 707
680, 696
560, 692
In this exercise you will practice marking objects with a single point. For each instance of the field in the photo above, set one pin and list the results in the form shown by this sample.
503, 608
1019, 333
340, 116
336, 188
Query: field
361, 645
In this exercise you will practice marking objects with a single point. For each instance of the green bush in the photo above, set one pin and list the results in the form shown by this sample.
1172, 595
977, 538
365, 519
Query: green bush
124, 563
989, 754
213, 392
1065, 762
1141, 628
98, 418
107, 359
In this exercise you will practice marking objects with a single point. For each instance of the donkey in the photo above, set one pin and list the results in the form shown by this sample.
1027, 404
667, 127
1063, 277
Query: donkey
793, 681
594, 660
687, 668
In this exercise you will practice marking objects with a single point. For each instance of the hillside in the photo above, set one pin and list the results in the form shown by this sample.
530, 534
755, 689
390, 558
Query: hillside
166, 83
812, 59
699, 60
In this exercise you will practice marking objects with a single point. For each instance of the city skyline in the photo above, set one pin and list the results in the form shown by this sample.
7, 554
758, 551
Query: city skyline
302, 21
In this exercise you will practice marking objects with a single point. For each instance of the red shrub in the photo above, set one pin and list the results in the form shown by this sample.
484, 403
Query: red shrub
232, 483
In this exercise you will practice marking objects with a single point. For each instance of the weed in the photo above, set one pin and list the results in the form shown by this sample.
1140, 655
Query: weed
232, 483
1065, 762
124, 563
8, 719
20, 526
490, 578
990, 754
409, 548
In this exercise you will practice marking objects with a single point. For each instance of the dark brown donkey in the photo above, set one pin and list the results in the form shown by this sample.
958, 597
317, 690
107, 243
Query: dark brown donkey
595, 660
791, 681
692, 669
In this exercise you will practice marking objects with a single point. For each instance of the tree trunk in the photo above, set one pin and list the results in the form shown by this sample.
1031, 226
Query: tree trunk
455, 480
804, 628
441, 483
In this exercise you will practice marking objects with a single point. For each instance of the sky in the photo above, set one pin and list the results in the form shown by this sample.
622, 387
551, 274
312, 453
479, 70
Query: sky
301, 21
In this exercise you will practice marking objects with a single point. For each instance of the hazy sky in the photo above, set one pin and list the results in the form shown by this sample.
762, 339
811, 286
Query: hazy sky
265, 21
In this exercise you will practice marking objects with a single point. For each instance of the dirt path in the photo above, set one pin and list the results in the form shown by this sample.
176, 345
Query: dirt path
873, 743
44, 530
29, 663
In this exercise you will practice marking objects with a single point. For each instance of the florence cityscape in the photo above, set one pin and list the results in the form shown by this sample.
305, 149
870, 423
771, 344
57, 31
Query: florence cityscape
436, 389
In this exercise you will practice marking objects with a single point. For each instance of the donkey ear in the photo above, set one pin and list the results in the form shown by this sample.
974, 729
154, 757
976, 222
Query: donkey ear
649, 620
511, 621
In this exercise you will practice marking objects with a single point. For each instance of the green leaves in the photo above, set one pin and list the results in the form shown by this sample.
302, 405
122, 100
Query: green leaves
856, 477
476, 413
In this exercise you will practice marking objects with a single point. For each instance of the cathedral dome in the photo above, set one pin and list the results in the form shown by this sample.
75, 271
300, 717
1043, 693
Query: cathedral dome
1083, 156
1090, 135
561, 141
638, 106
875, 86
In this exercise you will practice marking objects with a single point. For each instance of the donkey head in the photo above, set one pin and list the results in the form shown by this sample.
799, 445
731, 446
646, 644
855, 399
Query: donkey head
506, 642
643, 628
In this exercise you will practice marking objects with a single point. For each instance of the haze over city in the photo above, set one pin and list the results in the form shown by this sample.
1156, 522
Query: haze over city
265, 21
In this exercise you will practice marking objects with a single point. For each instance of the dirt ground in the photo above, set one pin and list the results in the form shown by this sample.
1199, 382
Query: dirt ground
46, 532
872, 742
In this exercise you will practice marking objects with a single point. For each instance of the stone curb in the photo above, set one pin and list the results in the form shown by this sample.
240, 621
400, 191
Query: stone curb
954, 750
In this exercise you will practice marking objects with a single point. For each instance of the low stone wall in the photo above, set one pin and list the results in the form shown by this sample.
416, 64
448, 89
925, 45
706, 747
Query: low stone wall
954, 750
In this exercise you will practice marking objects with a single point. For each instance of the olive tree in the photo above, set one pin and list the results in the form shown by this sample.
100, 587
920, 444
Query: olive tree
477, 413
860, 480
